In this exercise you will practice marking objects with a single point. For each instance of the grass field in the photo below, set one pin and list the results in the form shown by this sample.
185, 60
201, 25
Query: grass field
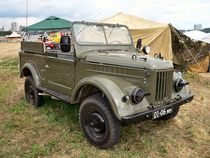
53, 130
9, 49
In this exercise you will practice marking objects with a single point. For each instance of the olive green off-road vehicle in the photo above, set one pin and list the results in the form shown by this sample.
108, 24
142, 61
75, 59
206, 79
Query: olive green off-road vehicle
97, 66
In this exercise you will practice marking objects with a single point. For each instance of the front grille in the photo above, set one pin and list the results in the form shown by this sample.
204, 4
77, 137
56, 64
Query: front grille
163, 86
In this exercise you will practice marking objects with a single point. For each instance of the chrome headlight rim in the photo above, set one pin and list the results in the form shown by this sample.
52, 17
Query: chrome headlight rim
177, 87
146, 50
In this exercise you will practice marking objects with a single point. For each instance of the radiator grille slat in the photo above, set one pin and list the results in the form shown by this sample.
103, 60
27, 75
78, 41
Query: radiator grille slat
163, 86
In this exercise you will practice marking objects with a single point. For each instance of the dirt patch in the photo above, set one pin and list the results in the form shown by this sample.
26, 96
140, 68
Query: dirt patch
205, 75
17, 94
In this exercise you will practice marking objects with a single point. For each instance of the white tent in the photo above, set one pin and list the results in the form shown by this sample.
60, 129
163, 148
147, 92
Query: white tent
14, 35
207, 38
196, 35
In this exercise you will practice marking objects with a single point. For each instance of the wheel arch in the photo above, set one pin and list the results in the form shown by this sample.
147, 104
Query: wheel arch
106, 86
29, 69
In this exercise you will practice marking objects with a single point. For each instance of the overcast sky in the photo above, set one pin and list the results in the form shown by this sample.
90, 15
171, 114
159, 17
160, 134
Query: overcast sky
183, 14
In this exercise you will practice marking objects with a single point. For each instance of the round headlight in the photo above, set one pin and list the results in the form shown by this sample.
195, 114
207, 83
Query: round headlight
179, 84
146, 50
138, 95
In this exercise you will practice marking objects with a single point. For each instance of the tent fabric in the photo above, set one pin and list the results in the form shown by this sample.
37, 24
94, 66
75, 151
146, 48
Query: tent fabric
133, 22
206, 38
202, 67
156, 35
14, 35
50, 23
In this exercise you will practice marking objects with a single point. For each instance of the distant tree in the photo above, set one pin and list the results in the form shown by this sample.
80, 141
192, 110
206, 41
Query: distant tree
207, 30
4, 33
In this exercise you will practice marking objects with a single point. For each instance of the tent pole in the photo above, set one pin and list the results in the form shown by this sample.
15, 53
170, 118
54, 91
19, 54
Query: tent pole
26, 14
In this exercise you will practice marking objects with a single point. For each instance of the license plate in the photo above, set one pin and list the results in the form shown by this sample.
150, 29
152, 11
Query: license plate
161, 112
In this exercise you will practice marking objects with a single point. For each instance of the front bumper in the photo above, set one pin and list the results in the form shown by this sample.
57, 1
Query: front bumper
146, 115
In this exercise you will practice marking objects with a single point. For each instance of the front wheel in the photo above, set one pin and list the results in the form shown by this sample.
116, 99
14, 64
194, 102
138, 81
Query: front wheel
32, 93
98, 123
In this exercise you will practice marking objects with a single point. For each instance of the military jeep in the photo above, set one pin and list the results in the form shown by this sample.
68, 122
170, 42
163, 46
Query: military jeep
97, 66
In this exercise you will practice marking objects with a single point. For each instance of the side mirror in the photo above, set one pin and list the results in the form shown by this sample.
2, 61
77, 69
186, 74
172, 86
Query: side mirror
65, 43
139, 44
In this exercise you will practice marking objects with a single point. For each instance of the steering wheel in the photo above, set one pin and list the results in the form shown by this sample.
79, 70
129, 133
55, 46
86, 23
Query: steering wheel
115, 42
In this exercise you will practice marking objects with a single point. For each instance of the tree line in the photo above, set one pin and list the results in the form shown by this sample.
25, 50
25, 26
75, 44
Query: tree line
4, 33
207, 30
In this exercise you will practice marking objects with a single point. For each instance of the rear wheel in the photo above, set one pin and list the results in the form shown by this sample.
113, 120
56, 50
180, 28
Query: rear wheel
169, 116
98, 123
32, 93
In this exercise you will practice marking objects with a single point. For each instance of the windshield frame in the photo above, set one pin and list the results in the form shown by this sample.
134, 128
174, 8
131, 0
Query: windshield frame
102, 25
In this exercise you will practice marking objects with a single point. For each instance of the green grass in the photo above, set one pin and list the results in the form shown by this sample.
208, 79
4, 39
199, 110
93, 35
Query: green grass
19, 107
53, 130
9, 65
2, 142
8, 126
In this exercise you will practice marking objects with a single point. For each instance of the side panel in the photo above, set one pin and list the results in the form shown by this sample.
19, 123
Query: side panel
60, 73
138, 77
33, 47
156, 82
35, 62
115, 82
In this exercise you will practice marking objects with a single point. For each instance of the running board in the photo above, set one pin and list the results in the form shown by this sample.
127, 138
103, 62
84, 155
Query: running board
55, 94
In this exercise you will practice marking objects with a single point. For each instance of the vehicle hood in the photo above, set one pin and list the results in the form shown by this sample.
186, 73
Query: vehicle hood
125, 59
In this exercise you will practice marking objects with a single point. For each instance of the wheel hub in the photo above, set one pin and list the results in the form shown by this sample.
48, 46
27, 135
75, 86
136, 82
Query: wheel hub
97, 124
30, 94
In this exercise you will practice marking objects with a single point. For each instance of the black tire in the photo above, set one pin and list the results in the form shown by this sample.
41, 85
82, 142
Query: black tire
32, 93
169, 116
98, 122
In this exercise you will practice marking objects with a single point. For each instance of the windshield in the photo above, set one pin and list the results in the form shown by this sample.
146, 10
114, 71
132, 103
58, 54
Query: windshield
91, 34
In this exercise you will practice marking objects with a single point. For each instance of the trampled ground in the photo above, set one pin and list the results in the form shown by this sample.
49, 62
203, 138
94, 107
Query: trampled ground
53, 130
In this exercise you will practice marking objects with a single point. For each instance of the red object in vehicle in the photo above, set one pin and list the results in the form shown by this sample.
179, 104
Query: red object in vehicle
51, 45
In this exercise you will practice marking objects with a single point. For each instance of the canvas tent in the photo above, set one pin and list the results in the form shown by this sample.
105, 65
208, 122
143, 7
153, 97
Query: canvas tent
14, 35
50, 23
156, 35
167, 40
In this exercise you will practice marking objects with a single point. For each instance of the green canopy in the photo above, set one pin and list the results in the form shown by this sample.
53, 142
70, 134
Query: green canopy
51, 23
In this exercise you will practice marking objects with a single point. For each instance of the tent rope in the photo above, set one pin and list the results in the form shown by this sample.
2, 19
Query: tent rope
180, 38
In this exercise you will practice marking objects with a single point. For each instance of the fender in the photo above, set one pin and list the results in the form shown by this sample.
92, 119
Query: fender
33, 71
114, 89
185, 91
